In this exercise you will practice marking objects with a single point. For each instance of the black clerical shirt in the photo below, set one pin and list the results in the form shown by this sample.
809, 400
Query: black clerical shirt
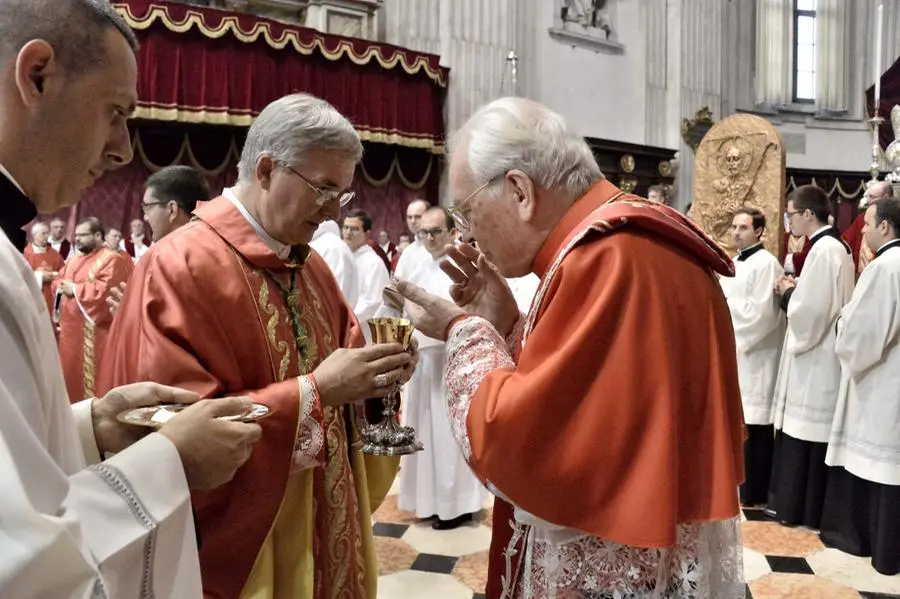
16, 211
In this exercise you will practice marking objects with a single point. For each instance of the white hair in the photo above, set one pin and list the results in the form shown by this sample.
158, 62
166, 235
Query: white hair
515, 133
291, 127
38, 226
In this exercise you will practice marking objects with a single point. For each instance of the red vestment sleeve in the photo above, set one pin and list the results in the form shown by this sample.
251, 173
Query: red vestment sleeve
622, 417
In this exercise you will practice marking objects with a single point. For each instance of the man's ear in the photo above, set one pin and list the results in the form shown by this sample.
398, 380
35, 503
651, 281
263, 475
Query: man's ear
523, 193
35, 64
265, 166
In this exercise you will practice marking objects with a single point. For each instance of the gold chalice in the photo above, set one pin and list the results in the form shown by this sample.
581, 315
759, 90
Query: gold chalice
388, 438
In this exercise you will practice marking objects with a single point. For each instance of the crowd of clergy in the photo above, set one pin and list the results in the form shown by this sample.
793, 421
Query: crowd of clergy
817, 335
535, 296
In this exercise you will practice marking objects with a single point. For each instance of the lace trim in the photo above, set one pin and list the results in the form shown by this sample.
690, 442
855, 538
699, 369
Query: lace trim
309, 447
706, 562
515, 339
118, 482
474, 349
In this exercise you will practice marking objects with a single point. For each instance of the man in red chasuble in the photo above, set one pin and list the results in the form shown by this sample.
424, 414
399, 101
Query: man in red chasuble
84, 320
608, 420
46, 262
235, 303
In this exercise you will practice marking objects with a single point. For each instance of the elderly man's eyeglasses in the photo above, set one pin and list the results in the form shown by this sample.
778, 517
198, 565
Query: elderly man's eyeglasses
326, 196
459, 210
433, 233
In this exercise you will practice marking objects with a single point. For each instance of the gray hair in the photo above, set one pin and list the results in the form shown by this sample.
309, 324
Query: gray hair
74, 28
293, 126
39, 226
515, 133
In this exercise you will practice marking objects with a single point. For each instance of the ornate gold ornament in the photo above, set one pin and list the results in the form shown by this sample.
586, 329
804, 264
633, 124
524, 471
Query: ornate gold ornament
693, 130
627, 163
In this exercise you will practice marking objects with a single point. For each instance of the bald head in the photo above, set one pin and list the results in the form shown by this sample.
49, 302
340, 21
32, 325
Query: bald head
414, 212
74, 28
877, 191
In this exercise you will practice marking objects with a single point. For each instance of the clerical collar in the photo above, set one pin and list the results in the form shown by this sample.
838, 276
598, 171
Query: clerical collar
281, 250
747, 252
38, 249
16, 210
893, 243
828, 231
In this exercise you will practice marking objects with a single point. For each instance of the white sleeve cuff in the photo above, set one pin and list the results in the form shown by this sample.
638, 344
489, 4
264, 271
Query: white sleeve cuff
85, 424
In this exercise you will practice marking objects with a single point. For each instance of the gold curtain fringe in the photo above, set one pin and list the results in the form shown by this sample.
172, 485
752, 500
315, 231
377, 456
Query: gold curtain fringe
859, 191
231, 157
396, 168
226, 116
194, 18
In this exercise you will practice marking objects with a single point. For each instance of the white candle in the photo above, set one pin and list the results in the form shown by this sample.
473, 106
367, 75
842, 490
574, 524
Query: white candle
878, 27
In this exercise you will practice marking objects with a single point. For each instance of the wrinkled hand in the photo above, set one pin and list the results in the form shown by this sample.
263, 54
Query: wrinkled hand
47, 276
479, 289
115, 298
349, 375
430, 314
67, 288
212, 449
113, 436
784, 283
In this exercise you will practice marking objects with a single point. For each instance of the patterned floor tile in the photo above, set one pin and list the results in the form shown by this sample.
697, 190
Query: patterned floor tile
413, 584
471, 570
853, 571
799, 586
390, 513
771, 538
439, 564
469, 538
755, 565
394, 555
788, 565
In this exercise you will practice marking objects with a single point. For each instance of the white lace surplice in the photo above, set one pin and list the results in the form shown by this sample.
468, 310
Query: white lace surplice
562, 563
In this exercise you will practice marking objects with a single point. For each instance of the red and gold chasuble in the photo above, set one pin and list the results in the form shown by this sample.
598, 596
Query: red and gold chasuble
48, 260
213, 310
84, 319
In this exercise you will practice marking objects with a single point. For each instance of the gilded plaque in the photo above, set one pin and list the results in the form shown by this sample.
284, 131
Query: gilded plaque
740, 162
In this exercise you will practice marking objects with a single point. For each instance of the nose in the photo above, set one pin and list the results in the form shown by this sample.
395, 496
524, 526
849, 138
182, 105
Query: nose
119, 151
332, 210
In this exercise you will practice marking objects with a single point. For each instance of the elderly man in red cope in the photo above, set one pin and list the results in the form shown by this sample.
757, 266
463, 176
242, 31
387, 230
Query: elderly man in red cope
608, 421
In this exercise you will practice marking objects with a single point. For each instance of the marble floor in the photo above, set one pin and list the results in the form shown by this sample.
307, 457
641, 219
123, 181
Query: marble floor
779, 563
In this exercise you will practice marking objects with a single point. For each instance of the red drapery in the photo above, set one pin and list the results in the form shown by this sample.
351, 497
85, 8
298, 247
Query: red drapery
209, 66
844, 189
388, 179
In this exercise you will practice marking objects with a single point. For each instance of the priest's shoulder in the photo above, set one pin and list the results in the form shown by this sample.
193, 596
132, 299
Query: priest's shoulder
191, 244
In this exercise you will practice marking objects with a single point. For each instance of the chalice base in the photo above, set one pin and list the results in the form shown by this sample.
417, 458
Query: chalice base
388, 437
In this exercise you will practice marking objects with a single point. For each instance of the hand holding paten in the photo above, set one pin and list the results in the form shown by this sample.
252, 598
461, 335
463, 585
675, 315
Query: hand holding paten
112, 435
431, 315
350, 375
479, 289
212, 449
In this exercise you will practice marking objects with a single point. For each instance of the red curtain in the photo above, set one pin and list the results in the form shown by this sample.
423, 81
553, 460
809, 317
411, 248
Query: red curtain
209, 66
387, 180
890, 95
844, 189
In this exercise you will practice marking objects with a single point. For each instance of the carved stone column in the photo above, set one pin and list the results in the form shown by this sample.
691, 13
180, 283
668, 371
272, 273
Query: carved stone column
702, 23
473, 38
655, 17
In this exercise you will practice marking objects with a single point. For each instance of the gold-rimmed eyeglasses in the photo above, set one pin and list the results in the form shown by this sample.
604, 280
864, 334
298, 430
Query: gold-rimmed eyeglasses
326, 196
460, 209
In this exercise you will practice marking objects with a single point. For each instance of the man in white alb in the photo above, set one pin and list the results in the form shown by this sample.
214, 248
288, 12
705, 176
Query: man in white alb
372, 274
123, 527
327, 243
415, 255
436, 481
809, 375
862, 503
759, 334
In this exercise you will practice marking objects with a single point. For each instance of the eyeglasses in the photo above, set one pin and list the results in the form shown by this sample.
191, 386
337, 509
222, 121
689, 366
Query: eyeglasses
423, 233
792, 214
326, 196
459, 209
146, 206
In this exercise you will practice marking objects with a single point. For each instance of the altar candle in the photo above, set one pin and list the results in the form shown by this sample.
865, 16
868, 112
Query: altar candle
878, 27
